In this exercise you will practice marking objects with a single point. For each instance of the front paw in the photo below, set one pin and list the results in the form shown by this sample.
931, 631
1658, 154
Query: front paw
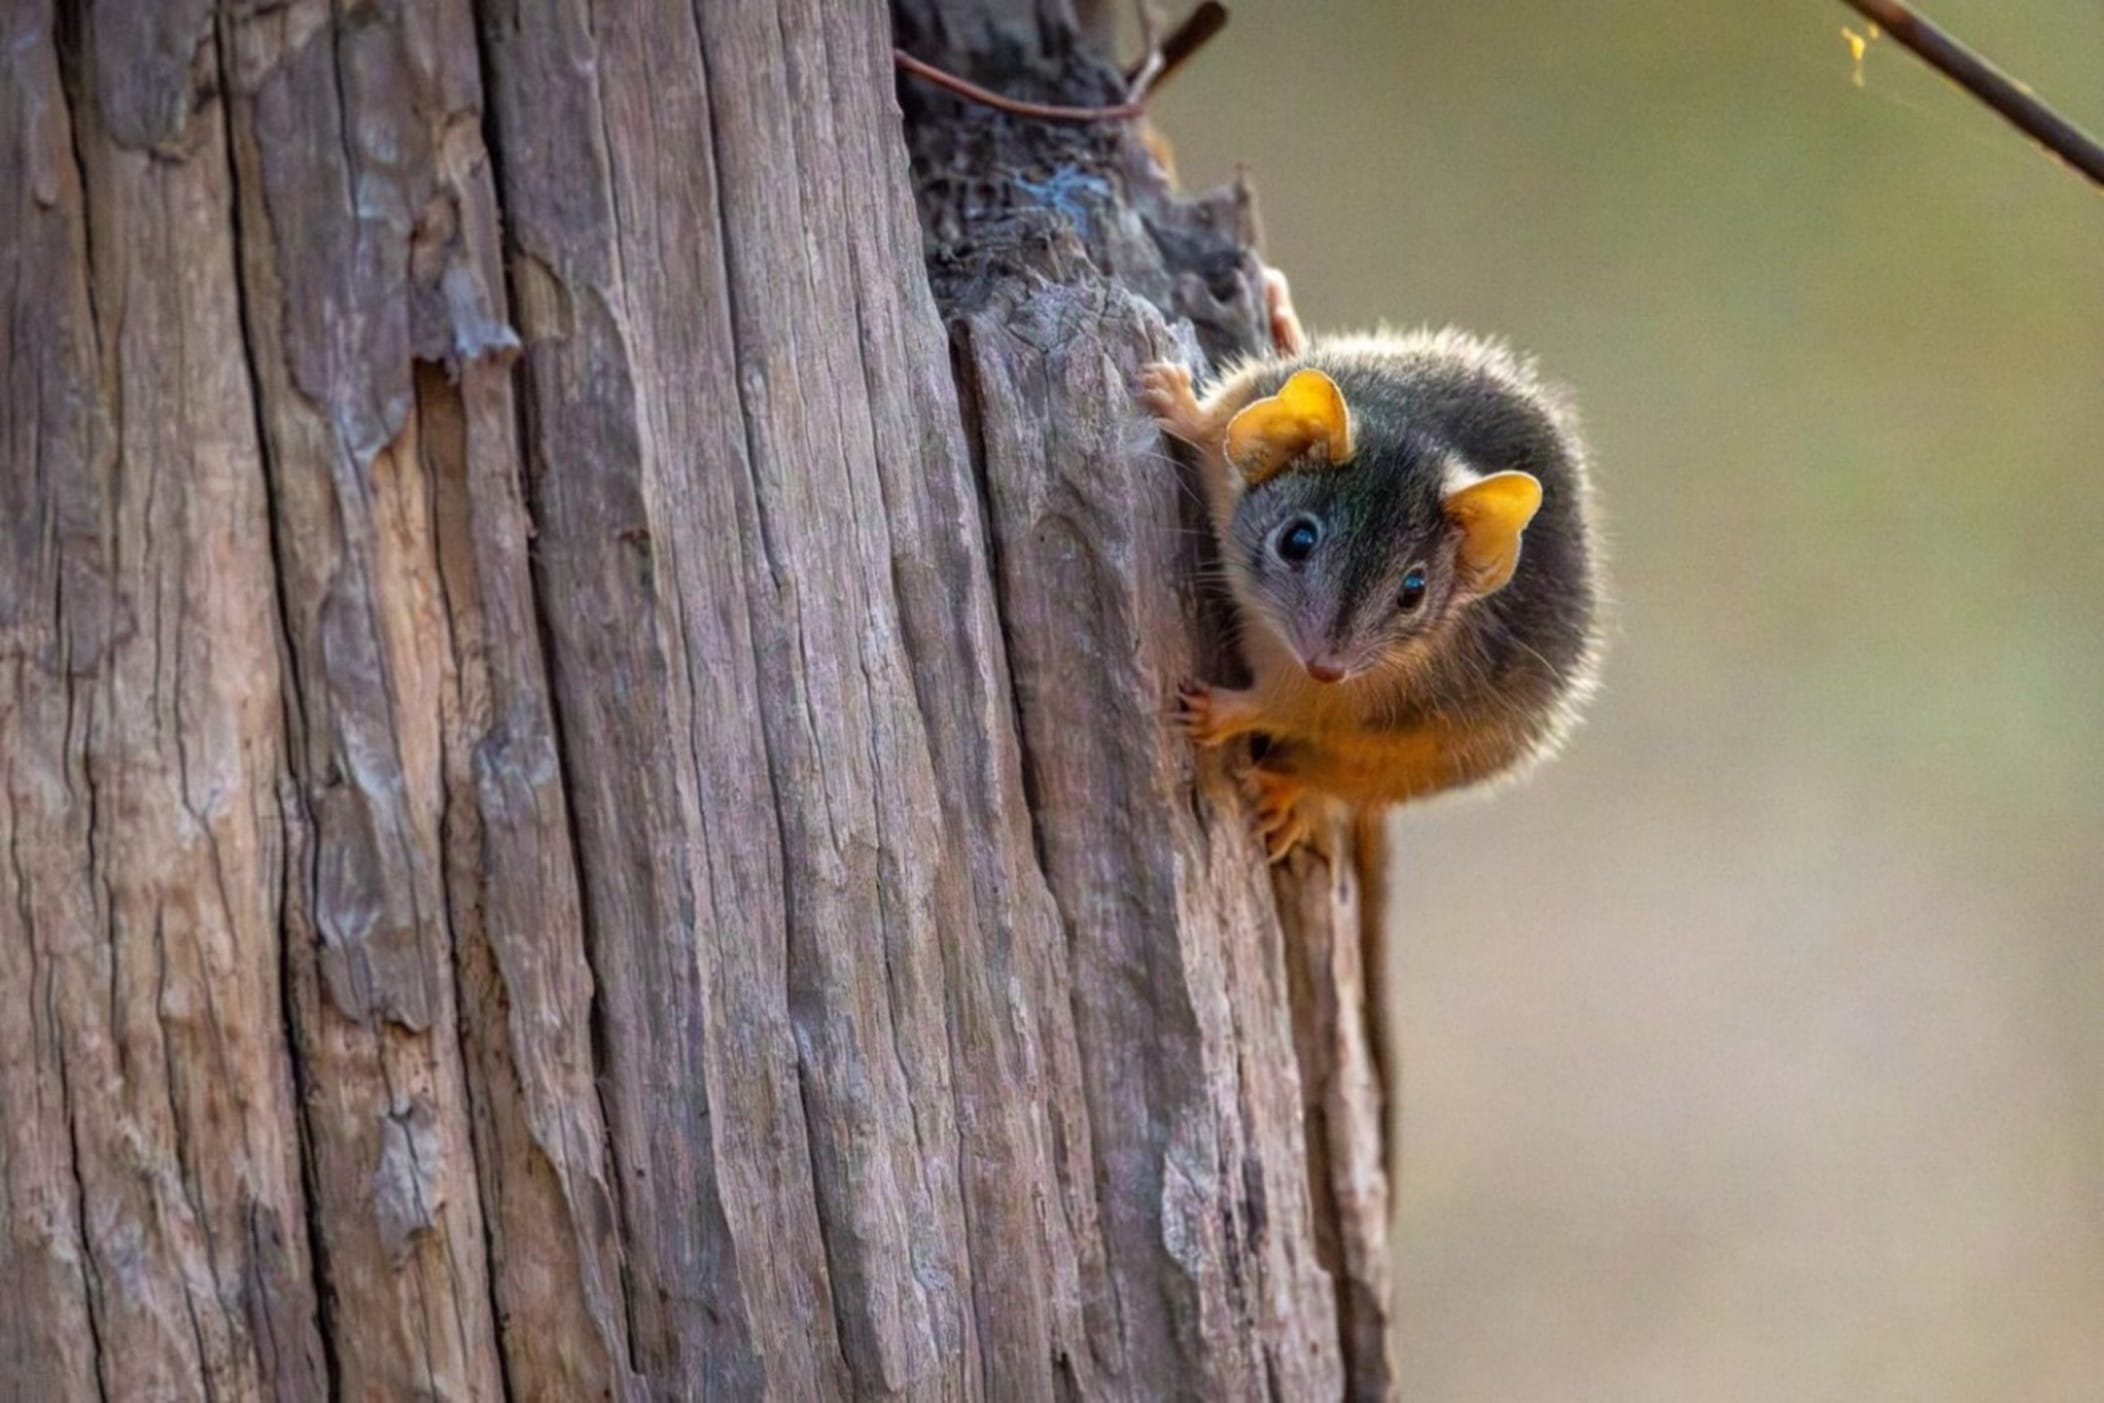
1166, 392
1213, 716
1280, 806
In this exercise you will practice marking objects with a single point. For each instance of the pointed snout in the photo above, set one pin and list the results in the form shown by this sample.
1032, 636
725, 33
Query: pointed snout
1318, 652
1325, 667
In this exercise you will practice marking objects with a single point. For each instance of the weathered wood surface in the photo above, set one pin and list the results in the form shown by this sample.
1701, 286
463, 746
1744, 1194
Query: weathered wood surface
581, 763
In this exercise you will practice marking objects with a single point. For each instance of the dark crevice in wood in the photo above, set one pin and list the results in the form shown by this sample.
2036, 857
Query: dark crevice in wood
344, 109
91, 1272
438, 400
599, 1017
755, 500
89, 1265
295, 721
75, 90
303, 1093
481, 21
975, 448
71, 39
529, 469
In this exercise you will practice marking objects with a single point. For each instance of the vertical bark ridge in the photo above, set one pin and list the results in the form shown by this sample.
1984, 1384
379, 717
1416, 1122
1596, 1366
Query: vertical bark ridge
852, 773
449, 1069
997, 926
159, 990
634, 444
1058, 254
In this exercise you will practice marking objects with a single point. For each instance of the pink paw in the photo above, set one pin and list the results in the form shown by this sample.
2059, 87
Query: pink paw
1199, 716
1165, 390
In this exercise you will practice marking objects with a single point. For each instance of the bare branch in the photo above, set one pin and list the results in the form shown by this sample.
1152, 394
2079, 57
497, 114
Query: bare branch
1989, 84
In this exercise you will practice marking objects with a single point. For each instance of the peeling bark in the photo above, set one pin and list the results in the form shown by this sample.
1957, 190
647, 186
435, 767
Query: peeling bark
581, 773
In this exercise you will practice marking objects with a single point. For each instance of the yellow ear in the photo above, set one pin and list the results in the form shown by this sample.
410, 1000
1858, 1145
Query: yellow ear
1306, 417
1491, 514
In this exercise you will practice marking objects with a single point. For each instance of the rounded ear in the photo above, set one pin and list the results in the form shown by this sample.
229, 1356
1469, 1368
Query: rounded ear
1492, 512
1306, 418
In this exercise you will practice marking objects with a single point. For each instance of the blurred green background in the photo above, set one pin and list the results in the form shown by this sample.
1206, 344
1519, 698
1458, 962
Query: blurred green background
1755, 1050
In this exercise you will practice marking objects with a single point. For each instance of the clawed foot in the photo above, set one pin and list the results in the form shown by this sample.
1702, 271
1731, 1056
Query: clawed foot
1281, 814
1197, 716
1165, 389
1281, 804
1214, 715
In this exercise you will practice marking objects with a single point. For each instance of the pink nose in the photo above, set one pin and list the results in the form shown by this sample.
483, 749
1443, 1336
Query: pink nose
1324, 670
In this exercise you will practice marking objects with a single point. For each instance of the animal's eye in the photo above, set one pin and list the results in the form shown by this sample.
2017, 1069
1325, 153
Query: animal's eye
1413, 592
1297, 539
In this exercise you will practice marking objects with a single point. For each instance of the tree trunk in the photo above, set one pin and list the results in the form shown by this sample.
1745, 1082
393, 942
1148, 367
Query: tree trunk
586, 805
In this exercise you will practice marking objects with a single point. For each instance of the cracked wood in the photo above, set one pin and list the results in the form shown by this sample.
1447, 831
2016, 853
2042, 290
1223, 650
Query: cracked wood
581, 776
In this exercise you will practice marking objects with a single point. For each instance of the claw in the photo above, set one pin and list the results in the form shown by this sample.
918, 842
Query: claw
1281, 841
1213, 716
1165, 390
1278, 816
1196, 716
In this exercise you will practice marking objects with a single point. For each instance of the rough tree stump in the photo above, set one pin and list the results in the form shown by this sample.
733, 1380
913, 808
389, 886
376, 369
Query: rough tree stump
581, 754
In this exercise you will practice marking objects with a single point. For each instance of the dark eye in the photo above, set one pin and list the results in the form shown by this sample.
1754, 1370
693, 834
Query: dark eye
1297, 540
1413, 593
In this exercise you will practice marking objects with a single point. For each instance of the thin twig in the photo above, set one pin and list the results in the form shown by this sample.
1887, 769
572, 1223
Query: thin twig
1043, 111
1989, 84
1183, 41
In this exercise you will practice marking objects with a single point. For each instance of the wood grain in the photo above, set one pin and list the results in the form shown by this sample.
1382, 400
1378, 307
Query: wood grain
585, 618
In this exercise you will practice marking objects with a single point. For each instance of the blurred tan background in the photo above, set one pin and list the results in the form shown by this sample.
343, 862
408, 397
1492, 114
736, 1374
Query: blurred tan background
1755, 1050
